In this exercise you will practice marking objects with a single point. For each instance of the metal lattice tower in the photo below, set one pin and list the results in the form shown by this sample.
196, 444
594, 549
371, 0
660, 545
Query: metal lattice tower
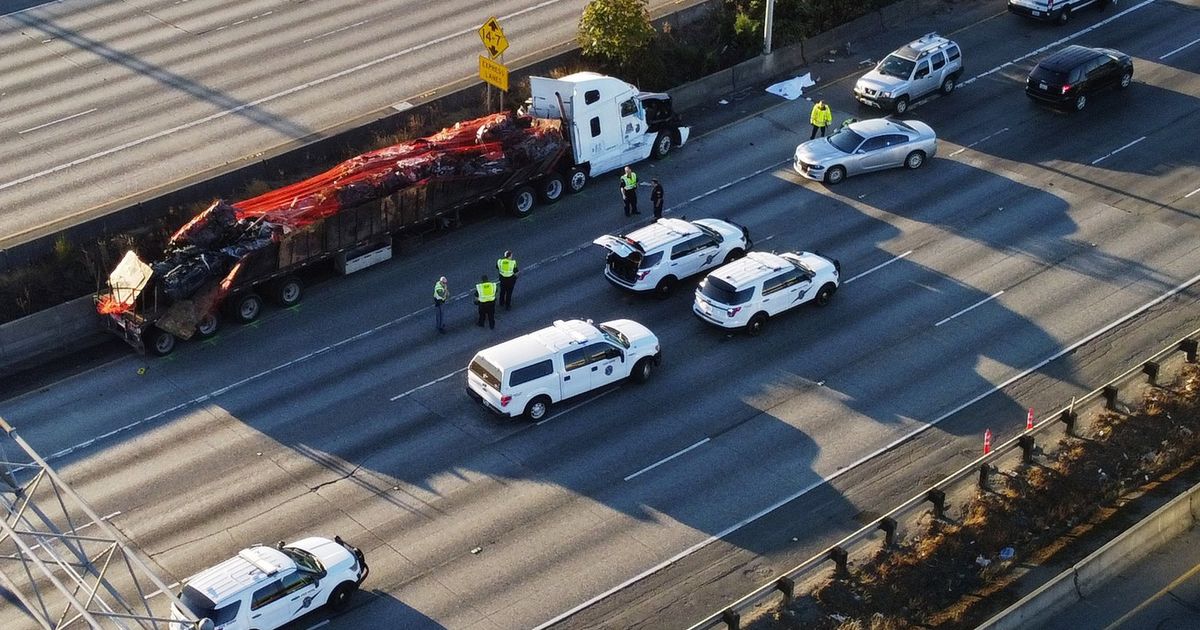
69, 568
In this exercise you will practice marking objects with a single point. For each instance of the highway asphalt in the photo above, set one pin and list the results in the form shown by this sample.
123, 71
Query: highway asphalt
102, 103
346, 415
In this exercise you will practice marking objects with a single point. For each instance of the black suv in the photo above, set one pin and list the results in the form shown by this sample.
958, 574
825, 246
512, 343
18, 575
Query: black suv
1068, 77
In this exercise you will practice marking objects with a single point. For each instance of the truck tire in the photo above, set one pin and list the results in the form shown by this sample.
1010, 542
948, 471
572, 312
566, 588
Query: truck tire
642, 370
901, 105
537, 409
577, 179
948, 85
208, 326
287, 291
246, 307
663, 143
521, 201
551, 188
1064, 16
161, 343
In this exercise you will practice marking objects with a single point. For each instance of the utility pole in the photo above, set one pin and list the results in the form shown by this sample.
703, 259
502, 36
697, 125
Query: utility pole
768, 26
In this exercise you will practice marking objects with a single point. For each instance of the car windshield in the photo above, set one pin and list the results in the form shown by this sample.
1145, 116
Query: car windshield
614, 335
893, 66
486, 371
303, 559
722, 292
711, 232
203, 607
846, 140
801, 266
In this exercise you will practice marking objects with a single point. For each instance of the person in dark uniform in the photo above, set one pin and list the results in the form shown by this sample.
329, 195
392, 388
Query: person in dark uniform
656, 197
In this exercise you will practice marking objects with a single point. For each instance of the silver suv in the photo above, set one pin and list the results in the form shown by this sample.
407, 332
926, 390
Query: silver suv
921, 67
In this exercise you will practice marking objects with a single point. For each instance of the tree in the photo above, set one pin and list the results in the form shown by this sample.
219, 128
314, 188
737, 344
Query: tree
616, 30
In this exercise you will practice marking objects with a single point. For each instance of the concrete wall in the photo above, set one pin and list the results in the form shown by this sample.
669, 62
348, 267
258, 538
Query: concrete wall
1088, 574
55, 331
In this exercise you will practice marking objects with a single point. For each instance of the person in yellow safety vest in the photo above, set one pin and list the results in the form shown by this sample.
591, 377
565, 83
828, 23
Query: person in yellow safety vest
441, 292
820, 118
629, 191
507, 267
485, 298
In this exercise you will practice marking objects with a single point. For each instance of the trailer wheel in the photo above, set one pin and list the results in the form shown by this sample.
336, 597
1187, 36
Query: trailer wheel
550, 188
287, 291
577, 179
521, 200
663, 143
161, 343
246, 307
208, 325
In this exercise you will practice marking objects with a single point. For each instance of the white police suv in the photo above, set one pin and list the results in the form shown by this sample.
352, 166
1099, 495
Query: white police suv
657, 256
263, 588
526, 375
746, 293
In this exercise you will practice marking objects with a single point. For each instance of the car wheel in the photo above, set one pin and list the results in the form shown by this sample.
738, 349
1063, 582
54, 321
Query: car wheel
733, 255
835, 175
915, 160
643, 369
550, 189
537, 409
1064, 17
1080, 102
576, 180
161, 343
901, 105
665, 287
825, 294
287, 291
208, 325
1126, 79
663, 143
948, 85
247, 307
756, 324
339, 599
521, 200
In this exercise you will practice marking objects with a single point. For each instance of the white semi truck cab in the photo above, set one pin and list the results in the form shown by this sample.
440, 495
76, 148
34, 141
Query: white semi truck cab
609, 122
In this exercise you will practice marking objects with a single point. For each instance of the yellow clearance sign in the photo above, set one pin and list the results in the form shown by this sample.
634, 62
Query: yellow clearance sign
493, 73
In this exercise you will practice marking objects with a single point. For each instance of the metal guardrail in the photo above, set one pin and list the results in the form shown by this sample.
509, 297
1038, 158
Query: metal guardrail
983, 467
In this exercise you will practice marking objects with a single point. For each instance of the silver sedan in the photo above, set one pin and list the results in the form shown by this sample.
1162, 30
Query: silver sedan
866, 145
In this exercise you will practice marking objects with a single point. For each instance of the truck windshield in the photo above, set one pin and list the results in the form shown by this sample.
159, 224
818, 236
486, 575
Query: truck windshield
614, 335
203, 607
486, 371
893, 66
722, 292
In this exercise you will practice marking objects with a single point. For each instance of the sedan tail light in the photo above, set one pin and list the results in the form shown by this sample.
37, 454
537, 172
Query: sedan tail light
504, 400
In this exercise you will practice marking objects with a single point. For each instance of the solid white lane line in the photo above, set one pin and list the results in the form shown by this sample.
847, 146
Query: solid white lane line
55, 122
260, 101
877, 267
1105, 157
987, 137
1191, 43
433, 382
159, 591
575, 406
1057, 43
865, 458
971, 307
668, 458
318, 625
1191, 193
736, 181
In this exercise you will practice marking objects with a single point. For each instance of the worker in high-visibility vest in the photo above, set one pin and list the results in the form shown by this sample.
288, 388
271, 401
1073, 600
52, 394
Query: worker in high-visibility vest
507, 268
441, 293
629, 184
485, 299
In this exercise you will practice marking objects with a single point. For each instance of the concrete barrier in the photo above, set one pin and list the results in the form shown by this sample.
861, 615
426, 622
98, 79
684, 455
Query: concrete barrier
53, 332
1089, 574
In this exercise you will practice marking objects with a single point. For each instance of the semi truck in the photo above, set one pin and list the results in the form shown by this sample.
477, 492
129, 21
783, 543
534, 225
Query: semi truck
225, 261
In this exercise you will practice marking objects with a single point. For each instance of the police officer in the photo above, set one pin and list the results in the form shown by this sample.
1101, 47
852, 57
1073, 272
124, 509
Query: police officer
629, 191
485, 299
820, 118
441, 292
656, 197
507, 268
